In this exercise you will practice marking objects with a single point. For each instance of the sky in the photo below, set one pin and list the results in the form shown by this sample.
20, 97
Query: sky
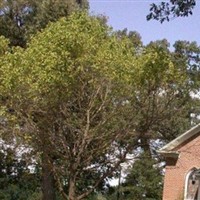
131, 14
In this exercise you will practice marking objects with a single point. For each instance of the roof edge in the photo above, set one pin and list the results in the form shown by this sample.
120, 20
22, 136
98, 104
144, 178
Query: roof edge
170, 154
179, 140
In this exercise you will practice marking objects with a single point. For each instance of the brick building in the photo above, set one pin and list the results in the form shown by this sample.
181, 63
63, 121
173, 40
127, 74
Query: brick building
182, 175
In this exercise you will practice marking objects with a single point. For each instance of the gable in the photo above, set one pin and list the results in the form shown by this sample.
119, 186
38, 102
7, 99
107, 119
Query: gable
171, 149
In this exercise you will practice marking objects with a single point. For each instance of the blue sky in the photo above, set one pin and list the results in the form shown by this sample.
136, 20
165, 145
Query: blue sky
131, 14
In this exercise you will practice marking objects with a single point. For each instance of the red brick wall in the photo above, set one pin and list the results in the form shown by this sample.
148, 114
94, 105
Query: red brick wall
176, 172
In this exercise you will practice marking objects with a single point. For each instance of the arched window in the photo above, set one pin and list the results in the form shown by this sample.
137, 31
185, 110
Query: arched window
192, 186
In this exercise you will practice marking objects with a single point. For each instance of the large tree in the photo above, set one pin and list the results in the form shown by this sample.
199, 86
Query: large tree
165, 101
68, 91
162, 92
19, 19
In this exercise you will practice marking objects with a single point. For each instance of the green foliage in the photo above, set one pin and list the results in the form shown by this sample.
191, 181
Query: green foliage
144, 180
20, 18
67, 90
16, 180
134, 37
187, 57
165, 11
161, 94
3, 45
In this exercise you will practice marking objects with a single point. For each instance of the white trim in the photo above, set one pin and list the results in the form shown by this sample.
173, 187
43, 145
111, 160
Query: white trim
186, 183
182, 138
199, 192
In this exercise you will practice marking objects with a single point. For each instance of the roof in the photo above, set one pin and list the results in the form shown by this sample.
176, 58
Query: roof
168, 149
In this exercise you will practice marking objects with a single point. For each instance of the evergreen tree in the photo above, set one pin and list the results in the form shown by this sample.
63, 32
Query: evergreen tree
144, 180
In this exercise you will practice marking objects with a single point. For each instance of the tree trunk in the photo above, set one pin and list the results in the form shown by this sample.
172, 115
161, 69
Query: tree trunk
145, 145
48, 188
72, 189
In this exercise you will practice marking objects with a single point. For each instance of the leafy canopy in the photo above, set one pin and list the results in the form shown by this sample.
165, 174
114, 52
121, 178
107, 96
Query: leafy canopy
165, 11
67, 90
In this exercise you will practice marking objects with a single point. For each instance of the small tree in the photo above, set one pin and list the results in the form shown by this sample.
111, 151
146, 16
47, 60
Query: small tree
144, 180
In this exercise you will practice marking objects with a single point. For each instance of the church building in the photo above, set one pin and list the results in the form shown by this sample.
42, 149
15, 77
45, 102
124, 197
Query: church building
182, 172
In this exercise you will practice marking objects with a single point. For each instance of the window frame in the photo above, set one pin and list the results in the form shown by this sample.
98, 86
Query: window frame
187, 181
